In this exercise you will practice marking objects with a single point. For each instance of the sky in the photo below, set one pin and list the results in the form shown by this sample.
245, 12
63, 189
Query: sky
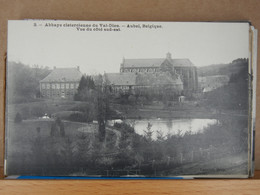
58, 43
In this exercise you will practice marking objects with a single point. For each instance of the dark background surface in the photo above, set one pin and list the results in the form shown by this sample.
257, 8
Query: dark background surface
127, 10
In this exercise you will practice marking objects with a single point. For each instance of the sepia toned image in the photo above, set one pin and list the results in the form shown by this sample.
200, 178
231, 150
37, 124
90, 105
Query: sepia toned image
128, 99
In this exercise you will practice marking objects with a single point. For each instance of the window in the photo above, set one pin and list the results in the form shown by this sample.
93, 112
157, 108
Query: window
57, 85
48, 86
72, 85
62, 85
53, 86
67, 85
43, 85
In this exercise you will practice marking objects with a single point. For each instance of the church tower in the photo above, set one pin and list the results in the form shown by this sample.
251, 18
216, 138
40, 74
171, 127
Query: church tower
122, 65
168, 56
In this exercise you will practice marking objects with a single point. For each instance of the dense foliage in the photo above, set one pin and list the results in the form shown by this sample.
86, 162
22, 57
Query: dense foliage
23, 81
232, 96
123, 151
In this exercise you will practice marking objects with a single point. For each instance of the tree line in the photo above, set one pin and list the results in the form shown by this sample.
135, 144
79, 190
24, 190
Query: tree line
23, 81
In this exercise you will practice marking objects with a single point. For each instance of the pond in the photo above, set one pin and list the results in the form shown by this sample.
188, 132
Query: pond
170, 126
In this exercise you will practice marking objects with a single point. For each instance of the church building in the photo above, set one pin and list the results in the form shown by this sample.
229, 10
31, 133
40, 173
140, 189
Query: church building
61, 83
184, 67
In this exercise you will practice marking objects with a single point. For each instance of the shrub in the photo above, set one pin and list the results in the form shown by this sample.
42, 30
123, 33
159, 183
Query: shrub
80, 117
37, 111
124, 127
131, 99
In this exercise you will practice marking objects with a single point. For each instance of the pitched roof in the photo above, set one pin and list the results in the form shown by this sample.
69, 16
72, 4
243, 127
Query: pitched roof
155, 62
63, 75
181, 62
121, 78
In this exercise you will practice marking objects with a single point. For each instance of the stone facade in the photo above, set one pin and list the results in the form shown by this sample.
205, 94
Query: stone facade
61, 83
183, 67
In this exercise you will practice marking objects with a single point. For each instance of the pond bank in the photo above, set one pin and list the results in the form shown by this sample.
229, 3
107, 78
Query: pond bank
199, 113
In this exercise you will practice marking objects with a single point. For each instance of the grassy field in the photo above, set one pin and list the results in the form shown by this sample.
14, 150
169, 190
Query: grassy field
64, 108
30, 140
39, 108
20, 135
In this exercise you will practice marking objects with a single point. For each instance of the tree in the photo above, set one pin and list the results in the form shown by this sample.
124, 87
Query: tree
132, 99
101, 115
57, 128
232, 96
23, 81
148, 133
86, 89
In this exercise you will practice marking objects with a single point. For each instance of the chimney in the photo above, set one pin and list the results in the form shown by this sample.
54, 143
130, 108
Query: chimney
78, 68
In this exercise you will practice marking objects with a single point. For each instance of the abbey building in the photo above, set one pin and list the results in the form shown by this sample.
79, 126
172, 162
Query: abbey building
61, 83
184, 73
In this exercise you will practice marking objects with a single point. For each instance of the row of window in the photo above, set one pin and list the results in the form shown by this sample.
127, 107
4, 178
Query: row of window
140, 70
59, 85
54, 93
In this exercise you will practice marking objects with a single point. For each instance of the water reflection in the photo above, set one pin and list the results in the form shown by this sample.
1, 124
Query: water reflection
171, 126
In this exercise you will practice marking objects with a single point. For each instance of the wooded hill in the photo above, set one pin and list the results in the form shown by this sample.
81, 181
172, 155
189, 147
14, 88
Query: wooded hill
223, 69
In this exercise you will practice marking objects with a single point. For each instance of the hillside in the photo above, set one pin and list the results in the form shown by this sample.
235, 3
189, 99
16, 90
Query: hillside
23, 81
223, 69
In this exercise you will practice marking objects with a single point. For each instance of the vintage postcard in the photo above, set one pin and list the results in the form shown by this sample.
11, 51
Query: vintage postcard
129, 99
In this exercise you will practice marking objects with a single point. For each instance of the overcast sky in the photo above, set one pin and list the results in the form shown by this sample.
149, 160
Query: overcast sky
99, 52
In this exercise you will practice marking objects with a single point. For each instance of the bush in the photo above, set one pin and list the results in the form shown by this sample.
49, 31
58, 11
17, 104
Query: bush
80, 117
131, 99
124, 127
37, 111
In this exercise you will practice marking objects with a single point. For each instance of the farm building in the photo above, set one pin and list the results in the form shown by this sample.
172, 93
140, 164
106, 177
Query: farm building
61, 83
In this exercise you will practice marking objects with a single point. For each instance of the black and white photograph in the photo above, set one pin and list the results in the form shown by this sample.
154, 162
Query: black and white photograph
128, 99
